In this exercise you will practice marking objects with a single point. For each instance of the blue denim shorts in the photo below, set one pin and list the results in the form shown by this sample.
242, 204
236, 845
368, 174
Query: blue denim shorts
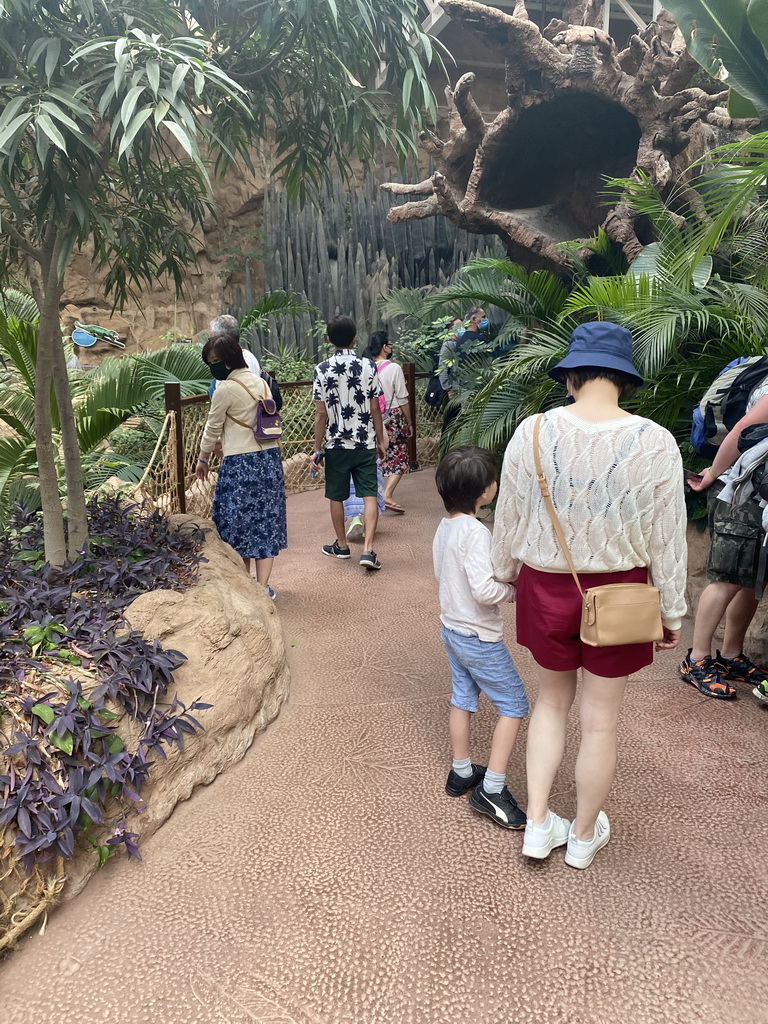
481, 665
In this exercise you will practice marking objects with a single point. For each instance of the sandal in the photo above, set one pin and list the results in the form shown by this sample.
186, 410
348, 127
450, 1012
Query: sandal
705, 677
392, 506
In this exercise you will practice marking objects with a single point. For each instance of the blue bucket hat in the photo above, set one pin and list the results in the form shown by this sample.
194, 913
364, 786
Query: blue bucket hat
599, 344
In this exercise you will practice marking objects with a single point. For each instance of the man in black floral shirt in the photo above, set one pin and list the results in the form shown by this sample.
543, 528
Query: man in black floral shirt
349, 434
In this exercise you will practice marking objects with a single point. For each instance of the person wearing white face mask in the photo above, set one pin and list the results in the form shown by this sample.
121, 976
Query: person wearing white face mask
470, 329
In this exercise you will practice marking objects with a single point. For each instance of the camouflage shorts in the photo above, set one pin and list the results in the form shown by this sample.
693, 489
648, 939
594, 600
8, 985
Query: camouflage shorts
736, 536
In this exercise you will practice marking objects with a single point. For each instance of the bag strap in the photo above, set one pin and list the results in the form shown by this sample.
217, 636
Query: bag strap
248, 426
548, 500
260, 399
379, 367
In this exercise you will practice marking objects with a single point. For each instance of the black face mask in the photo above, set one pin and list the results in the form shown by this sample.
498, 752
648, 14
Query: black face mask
219, 370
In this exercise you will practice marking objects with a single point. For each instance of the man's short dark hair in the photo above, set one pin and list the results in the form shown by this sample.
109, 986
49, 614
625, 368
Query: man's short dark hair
226, 349
579, 376
342, 331
462, 476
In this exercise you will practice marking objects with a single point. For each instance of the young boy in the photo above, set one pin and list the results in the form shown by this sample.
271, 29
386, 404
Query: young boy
472, 633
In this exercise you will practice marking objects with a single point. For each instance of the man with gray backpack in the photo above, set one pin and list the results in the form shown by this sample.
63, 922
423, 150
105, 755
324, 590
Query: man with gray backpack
737, 400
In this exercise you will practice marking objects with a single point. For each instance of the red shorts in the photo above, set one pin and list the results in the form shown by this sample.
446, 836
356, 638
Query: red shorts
549, 618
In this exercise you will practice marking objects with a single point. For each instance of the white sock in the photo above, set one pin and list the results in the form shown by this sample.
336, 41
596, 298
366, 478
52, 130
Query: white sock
463, 768
493, 781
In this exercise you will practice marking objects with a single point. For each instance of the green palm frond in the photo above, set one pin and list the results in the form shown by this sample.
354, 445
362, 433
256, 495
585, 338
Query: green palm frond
18, 343
407, 302
19, 304
17, 460
17, 409
277, 303
742, 170
121, 386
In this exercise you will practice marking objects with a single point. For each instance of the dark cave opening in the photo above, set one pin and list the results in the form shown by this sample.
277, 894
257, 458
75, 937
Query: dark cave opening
550, 167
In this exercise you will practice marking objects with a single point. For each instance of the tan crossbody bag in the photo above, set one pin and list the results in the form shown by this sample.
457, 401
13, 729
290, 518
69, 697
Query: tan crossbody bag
614, 613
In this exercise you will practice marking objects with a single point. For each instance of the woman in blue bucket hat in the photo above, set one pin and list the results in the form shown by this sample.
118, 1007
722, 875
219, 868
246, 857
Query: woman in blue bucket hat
616, 481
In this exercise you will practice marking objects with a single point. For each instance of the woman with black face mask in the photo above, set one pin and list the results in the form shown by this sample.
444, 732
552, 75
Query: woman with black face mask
249, 499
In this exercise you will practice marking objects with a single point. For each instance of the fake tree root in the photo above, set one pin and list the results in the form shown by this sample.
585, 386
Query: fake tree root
578, 111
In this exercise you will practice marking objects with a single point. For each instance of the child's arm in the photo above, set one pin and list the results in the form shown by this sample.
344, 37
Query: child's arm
479, 569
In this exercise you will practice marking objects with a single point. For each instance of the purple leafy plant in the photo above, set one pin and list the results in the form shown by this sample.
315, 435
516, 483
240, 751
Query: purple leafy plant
65, 767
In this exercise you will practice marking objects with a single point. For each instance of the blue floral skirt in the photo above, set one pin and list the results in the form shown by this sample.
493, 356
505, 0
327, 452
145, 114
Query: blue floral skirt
249, 504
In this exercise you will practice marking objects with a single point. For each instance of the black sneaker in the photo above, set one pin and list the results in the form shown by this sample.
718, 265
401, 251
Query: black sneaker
706, 678
502, 807
740, 670
335, 551
457, 785
368, 559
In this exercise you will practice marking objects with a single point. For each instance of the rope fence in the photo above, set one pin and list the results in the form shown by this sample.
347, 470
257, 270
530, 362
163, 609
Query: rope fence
170, 484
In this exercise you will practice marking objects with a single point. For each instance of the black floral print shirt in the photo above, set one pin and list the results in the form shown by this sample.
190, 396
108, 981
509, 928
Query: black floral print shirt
347, 384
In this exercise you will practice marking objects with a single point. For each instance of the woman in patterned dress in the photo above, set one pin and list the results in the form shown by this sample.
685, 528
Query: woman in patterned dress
396, 413
249, 499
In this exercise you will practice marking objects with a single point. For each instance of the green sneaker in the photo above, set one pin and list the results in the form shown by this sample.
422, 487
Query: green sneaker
761, 691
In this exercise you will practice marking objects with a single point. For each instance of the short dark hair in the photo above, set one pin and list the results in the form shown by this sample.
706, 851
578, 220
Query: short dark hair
579, 376
342, 331
227, 348
462, 475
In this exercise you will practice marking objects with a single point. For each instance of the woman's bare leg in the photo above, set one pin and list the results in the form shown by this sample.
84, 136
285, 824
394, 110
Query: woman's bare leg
596, 762
546, 737
390, 483
263, 570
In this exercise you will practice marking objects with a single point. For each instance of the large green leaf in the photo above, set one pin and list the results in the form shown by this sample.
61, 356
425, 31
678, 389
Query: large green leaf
650, 261
719, 35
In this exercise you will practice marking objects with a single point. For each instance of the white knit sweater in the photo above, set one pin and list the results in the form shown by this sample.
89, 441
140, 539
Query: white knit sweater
617, 487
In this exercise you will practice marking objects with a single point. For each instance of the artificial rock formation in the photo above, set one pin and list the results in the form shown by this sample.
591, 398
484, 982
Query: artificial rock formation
578, 111
232, 638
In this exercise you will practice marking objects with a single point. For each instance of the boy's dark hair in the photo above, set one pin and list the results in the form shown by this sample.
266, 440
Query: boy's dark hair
579, 376
227, 349
462, 476
341, 331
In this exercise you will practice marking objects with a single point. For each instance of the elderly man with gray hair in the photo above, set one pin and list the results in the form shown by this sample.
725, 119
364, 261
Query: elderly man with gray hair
227, 324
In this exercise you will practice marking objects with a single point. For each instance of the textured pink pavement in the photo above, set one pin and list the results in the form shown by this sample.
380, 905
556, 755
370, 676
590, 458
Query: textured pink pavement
327, 879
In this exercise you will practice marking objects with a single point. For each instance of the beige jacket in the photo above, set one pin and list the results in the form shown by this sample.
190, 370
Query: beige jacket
232, 402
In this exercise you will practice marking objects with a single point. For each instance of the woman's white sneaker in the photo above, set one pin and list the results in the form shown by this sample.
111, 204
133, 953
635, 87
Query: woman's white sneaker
580, 853
540, 840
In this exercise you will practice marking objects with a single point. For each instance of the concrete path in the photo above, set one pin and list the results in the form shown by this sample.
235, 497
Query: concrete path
327, 879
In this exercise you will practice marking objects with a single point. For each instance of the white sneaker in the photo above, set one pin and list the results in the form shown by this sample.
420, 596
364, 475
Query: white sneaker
581, 853
540, 840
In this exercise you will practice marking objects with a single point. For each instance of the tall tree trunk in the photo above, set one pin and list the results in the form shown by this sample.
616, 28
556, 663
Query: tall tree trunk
53, 514
77, 517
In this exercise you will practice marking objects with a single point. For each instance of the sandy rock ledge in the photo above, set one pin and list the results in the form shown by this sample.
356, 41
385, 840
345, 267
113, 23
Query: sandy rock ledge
231, 635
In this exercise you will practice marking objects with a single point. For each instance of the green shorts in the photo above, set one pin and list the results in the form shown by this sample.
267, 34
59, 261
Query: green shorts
736, 537
357, 463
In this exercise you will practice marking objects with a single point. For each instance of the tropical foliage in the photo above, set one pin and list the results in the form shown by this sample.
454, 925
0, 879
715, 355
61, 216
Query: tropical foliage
103, 398
729, 38
68, 772
108, 116
691, 306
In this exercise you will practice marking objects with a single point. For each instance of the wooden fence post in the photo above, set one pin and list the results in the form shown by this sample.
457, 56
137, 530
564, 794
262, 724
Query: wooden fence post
409, 372
173, 404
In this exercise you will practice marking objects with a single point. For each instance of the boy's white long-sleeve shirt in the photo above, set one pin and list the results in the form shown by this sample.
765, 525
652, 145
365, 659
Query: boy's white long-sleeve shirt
469, 594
